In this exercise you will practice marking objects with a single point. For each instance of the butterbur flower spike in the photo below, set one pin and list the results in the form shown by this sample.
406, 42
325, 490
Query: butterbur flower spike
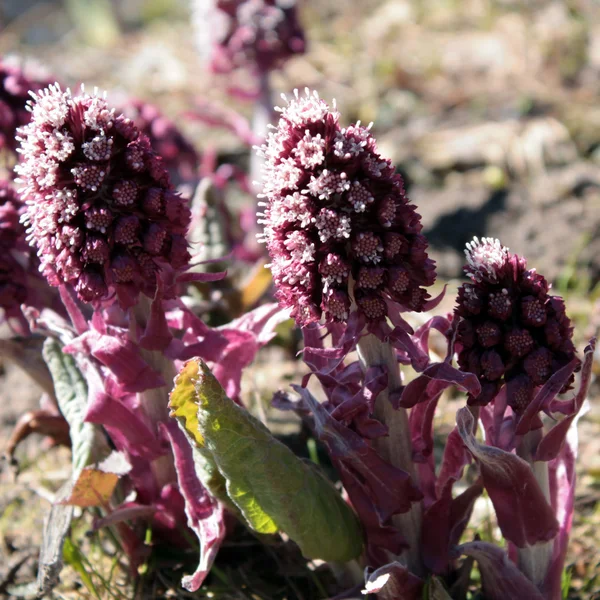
338, 226
511, 331
257, 33
100, 207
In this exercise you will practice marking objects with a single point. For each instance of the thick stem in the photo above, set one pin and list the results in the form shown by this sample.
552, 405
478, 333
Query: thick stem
535, 560
396, 448
154, 402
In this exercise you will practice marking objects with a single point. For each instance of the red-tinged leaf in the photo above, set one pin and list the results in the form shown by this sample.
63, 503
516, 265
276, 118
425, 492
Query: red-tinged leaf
369, 428
460, 511
524, 515
313, 338
435, 379
391, 489
337, 353
245, 336
499, 428
443, 524
431, 304
238, 354
501, 579
553, 442
421, 429
157, 335
393, 582
126, 429
380, 539
376, 379
128, 511
121, 356
261, 321
441, 324
77, 317
218, 115
395, 316
545, 396
453, 462
402, 341
205, 515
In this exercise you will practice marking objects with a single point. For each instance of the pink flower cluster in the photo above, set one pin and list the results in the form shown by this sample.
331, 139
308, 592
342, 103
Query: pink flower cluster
256, 33
15, 84
511, 331
338, 226
100, 207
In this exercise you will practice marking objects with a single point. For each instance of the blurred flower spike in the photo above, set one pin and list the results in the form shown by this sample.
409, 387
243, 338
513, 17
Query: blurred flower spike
248, 33
511, 330
340, 231
13, 253
16, 81
100, 207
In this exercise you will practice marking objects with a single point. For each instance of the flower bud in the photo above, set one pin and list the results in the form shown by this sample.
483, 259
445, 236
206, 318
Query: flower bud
522, 335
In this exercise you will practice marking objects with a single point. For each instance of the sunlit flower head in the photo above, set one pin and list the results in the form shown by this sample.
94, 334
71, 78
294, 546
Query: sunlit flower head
338, 226
100, 207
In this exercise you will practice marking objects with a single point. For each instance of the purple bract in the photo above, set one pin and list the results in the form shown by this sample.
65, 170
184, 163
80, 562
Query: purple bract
339, 228
512, 331
100, 207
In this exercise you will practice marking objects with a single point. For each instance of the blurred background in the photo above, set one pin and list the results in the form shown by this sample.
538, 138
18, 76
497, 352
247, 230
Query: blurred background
489, 108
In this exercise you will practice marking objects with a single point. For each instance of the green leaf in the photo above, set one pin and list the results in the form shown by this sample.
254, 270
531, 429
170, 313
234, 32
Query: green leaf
73, 557
273, 489
88, 442
182, 402
89, 446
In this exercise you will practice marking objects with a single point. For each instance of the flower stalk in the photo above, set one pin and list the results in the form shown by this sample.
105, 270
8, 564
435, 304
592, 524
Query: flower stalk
396, 447
535, 560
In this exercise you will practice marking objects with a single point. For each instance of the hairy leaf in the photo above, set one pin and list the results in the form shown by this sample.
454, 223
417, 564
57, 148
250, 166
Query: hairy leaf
89, 446
273, 489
